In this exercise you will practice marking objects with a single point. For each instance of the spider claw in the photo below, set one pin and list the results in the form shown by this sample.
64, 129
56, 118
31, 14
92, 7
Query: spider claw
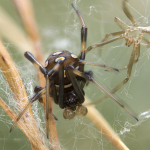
47, 136
54, 117
136, 119
113, 70
108, 70
10, 129
116, 69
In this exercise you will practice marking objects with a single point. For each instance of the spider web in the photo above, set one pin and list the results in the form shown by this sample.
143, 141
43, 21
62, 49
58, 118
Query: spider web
60, 30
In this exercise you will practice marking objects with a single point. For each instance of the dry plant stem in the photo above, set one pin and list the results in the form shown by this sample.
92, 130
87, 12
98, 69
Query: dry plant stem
25, 10
52, 133
95, 117
15, 83
36, 144
13, 33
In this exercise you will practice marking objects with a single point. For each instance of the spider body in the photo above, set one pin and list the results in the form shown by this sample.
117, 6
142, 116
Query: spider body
68, 59
71, 99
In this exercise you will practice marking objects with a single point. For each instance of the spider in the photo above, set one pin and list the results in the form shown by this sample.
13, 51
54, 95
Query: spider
65, 80
133, 35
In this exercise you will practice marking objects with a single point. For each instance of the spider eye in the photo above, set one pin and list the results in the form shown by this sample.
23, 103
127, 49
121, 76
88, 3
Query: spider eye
59, 58
73, 56
68, 114
81, 111
46, 63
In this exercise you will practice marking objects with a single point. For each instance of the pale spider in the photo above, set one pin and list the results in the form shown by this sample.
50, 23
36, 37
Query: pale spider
133, 35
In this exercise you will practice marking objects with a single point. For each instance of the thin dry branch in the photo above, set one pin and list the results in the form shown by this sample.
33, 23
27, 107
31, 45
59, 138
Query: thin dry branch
97, 119
23, 127
27, 16
13, 33
25, 11
15, 83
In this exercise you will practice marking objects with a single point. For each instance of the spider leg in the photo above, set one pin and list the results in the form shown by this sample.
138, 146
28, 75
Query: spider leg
83, 37
83, 33
34, 98
77, 72
128, 14
148, 42
75, 84
120, 23
137, 55
105, 42
146, 45
146, 31
113, 34
61, 86
95, 64
48, 111
129, 67
32, 59
109, 35
53, 92
47, 106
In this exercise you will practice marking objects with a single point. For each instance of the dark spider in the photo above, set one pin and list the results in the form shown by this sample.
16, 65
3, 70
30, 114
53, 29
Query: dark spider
65, 80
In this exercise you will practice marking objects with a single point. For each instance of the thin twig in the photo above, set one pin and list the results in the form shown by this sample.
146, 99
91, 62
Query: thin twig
13, 33
23, 127
15, 83
25, 10
97, 119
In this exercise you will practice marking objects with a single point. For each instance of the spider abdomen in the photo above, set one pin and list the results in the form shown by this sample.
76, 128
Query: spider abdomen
71, 100
68, 58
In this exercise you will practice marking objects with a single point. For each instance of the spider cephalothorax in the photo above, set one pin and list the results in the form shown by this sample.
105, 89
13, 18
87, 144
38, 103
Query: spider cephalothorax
133, 35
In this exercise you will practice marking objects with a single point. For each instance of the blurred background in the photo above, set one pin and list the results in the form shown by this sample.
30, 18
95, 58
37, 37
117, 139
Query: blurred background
59, 28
